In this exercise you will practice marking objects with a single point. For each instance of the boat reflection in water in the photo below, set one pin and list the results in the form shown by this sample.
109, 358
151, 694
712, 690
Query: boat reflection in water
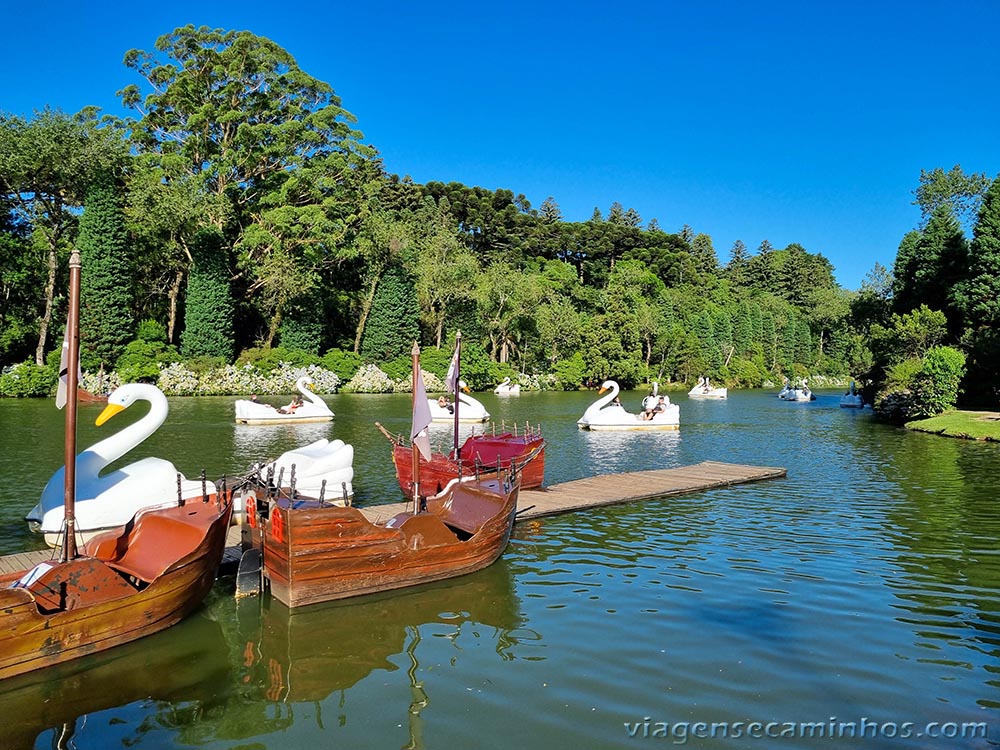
308, 653
116, 697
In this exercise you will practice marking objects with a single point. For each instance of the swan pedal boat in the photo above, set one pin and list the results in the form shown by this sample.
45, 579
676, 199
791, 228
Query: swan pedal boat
507, 389
603, 415
796, 393
470, 410
313, 409
704, 389
324, 466
852, 399
109, 501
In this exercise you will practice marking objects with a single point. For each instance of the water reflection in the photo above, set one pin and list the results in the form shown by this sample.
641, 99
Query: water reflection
118, 697
322, 655
263, 443
611, 452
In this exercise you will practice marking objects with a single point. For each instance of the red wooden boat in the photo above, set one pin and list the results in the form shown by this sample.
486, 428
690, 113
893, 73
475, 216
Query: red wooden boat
521, 451
314, 551
131, 582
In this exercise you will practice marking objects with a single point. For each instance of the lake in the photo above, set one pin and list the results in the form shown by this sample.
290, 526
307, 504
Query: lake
854, 603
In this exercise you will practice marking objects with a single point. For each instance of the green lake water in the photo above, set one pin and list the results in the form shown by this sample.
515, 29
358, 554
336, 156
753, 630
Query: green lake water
861, 591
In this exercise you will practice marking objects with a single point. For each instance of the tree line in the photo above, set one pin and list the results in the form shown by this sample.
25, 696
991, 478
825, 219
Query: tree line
240, 210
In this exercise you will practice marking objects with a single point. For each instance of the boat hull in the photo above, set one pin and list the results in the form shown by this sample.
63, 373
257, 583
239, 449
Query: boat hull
118, 593
316, 552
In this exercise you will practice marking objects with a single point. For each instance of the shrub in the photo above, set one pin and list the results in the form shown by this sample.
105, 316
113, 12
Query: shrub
268, 360
921, 387
345, 364
26, 379
141, 361
570, 372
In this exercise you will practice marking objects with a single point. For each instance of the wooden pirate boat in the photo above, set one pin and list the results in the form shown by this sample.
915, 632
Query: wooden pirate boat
314, 551
129, 582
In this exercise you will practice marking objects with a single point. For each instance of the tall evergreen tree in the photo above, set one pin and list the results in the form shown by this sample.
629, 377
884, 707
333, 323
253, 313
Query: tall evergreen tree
302, 324
616, 215
978, 299
393, 323
107, 299
978, 295
703, 252
632, 218
208, 313
736, 268
743, 329
937, 262
549, 211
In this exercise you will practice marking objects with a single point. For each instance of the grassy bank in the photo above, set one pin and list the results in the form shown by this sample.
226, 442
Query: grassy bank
972, 425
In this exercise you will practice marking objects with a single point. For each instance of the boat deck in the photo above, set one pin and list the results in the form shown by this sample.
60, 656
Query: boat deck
593, 492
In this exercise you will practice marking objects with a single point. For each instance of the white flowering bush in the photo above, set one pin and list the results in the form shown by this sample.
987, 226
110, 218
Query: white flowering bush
370, 379
234, 380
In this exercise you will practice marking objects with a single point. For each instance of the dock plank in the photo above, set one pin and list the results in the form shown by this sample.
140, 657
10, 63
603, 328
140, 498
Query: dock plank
579, 494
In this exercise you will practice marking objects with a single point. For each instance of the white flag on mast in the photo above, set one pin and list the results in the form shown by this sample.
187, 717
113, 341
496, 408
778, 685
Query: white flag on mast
451, 378
62, 393
421, 418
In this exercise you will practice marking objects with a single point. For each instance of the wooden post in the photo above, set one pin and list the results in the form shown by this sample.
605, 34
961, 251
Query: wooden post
458, 367
69, 550
415, 451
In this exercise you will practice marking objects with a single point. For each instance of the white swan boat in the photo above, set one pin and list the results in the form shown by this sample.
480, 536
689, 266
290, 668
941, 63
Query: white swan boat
506, 388
608, 414
313, 409
329, 461
704, 389
796, 393
852, 399
469, 410
109, 501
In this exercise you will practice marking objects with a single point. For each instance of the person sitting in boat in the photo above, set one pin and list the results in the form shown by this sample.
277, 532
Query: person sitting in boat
296, 403
659, 406
444, 403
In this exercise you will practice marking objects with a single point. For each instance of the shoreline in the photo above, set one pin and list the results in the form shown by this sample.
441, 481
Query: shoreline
957, 423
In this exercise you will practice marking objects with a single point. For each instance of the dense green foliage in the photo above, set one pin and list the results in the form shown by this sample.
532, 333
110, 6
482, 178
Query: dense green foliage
208, 314
106, 289
392, 326
260, 231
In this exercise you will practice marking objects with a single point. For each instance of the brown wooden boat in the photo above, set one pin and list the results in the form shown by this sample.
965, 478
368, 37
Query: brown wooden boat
523, 451
131, 582
314, 551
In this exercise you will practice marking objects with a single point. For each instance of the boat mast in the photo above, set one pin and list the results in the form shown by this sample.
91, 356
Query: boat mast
458, 367
415, 451
72, 383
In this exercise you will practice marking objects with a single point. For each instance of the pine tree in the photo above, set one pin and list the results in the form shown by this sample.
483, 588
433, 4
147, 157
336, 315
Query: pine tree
736, 269
616, 215
549, 211
302, 325
107, 321
932, 269
208, 313
393, 324
978, 296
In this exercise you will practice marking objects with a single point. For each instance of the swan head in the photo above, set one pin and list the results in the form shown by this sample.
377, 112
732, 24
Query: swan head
463, 386
126, 395
607, 385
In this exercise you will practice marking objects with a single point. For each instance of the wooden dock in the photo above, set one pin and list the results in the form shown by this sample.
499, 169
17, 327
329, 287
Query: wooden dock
612, 489
593, 492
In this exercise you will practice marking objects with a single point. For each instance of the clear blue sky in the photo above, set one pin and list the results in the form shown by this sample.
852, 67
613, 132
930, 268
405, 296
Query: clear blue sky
788, 121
